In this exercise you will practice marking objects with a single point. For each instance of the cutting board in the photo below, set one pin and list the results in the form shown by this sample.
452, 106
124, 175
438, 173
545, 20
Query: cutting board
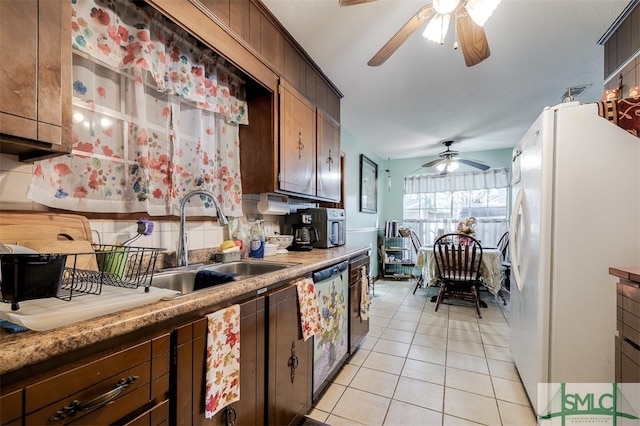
85, 261
31, 226
45, 314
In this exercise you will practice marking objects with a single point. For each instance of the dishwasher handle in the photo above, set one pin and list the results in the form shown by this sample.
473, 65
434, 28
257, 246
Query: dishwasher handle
327, 273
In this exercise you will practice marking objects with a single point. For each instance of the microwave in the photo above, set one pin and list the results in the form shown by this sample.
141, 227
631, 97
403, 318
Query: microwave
330, 224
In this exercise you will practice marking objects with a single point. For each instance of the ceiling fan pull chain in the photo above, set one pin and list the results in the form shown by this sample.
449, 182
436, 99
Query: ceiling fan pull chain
455, 32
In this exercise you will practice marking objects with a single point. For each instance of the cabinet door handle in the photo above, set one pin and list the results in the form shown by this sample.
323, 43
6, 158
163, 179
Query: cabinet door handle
230, 416
329, 160
98, 402
293, 361
632, 343
300, 145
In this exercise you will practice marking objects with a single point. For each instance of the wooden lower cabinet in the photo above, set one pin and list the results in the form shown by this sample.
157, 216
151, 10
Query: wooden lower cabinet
190, 364
275, 380
126, 386
289, 372
627, 349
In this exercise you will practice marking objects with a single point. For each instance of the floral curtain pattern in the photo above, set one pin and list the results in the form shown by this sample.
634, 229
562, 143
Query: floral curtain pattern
155, 117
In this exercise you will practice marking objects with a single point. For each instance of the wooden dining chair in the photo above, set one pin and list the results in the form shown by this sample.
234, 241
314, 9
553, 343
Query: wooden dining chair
415, 241
458, 261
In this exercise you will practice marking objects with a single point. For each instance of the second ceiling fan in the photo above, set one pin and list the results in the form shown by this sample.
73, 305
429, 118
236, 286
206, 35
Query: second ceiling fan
469, 17
447, 161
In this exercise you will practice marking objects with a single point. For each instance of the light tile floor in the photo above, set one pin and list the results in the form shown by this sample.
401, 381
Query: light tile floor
421, 367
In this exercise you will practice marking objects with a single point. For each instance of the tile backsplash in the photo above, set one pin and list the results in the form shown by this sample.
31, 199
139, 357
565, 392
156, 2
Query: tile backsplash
14, 183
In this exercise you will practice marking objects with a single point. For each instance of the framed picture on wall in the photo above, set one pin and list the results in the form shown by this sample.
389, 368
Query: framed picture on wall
368, 185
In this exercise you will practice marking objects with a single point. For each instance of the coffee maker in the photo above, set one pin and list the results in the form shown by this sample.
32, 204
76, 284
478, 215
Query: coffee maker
304, 235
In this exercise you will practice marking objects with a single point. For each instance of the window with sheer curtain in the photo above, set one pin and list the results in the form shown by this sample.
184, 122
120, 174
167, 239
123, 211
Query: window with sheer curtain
436, 203
155, 116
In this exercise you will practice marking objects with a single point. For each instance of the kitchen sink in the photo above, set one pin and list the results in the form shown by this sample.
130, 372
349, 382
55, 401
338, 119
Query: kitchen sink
249, 268
183, 279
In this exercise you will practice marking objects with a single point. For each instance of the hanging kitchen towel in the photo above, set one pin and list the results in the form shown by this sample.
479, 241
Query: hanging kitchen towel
310, 318
364, 295
223, 359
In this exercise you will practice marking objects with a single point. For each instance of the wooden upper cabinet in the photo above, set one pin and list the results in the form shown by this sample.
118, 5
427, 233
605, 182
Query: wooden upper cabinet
35, 70
328, 166
297, 142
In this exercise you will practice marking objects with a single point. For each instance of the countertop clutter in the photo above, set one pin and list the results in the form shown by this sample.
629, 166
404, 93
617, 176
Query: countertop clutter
30, 347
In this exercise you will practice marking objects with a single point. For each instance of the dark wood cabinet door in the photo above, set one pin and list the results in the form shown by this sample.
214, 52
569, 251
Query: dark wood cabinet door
289, 361
297, 142
35, 68
328, 167
190, 379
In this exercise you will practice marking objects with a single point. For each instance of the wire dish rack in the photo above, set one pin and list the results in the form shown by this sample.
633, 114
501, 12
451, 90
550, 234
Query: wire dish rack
66, 275
119, 266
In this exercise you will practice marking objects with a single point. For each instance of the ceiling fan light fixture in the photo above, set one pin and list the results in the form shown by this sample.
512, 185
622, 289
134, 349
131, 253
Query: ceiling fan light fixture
481, 10
437, 28
453, 165
444, 7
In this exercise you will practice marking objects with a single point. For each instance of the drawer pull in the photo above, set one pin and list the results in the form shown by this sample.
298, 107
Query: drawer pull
632, 343
98, 402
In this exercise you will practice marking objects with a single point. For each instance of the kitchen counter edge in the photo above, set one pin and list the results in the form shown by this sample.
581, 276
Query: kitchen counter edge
30, 347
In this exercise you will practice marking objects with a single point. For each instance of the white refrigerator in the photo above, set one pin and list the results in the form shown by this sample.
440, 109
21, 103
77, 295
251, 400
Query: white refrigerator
576, 209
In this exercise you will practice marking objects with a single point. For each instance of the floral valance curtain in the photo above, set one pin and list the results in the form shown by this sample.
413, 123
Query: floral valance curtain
155, 117
488, 230
492, 178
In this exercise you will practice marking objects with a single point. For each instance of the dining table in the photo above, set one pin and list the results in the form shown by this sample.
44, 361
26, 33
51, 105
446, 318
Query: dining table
491, 271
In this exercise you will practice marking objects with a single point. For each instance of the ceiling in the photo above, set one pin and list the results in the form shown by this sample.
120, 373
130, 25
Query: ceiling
425, 94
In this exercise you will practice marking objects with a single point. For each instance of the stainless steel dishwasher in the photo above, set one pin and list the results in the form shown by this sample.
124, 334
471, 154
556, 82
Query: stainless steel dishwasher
331, 347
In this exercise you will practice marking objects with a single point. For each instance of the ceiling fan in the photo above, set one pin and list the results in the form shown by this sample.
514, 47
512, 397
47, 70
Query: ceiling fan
449, 160
469, 17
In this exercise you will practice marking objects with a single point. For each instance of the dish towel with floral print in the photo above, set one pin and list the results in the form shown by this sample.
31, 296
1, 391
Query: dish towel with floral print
310, 318
223, 359
364, 295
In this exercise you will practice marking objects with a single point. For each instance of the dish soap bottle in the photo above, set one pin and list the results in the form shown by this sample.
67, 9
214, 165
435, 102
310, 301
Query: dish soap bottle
240, 235
256, 243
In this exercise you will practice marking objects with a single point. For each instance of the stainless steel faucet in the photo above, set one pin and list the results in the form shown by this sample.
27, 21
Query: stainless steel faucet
182, 253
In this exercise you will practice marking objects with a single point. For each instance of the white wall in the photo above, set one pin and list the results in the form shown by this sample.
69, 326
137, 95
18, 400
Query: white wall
362, 228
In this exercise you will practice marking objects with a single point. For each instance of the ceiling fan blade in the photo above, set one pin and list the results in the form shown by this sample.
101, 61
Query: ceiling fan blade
403, 33
353, 2
445, 170
434, 162
473, 163
473, 41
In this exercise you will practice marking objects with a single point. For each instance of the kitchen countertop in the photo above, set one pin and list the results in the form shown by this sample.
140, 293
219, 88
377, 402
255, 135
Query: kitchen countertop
30, 347
630, 273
